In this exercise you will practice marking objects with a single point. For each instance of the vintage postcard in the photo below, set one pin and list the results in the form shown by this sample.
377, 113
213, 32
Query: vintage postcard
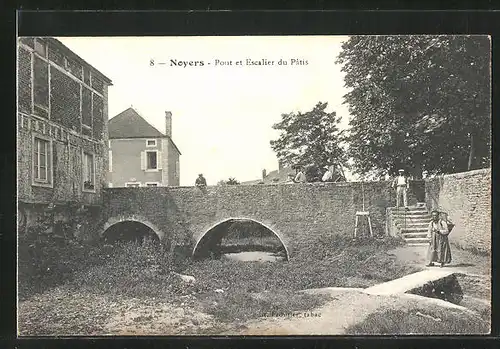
254, 185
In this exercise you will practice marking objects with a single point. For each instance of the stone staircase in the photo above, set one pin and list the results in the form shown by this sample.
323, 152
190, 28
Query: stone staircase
410, 223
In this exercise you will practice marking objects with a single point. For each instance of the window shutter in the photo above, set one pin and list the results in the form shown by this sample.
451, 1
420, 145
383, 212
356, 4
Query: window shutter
159, 161
110, 159
143, 160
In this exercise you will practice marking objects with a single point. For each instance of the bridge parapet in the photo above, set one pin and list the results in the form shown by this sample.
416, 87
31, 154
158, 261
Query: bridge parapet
297, 212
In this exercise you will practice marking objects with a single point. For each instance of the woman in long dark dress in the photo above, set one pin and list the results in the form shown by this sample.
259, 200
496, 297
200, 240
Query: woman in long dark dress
439, 246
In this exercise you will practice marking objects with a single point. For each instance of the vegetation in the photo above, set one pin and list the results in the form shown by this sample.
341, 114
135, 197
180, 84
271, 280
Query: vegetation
230, 181
420, 102
146, 270
231, 291
310, 139
432, 320
48, 254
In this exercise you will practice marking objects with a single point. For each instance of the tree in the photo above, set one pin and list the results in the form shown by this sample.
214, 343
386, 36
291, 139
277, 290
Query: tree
418, 102
310, 139
230, 181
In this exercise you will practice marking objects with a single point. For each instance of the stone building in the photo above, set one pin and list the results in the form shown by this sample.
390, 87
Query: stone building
140, 155
61, 131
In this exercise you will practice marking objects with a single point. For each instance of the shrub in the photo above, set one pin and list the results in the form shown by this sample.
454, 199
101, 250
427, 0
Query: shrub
434, 321
46, 259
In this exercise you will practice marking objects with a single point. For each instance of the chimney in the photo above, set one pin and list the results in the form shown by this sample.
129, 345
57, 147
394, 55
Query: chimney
168, 124
264, 174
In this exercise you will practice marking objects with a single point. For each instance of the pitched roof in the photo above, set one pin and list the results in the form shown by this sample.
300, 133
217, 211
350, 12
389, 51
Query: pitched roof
129, 124
276, 176
66, 50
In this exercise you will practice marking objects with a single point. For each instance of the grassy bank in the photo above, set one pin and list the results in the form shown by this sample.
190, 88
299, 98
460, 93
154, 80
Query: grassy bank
244, 289
430, 321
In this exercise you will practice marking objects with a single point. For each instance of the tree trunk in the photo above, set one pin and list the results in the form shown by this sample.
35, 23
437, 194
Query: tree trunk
417, 171
472, 152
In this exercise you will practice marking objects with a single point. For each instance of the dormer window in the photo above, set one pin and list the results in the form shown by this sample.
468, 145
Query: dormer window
73, 67
41, 48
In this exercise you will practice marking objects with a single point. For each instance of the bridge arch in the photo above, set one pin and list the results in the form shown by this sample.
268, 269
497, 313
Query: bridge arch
113, 221
208, 232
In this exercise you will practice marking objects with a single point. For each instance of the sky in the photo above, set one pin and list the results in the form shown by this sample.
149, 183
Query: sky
222, 115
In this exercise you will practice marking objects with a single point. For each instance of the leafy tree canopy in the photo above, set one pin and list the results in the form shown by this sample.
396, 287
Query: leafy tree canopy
418, 102
310, 139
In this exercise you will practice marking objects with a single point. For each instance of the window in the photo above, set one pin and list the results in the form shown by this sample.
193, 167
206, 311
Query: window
110, 160
152, 184
41, 161
86, 76
86, 107
56, 56
151, 143
40, 87
88, 171
97, 84
150, 160
73, 67
41, 48
133, 184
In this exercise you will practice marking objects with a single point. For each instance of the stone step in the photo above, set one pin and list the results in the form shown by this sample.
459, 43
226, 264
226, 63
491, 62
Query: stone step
402, 212
415, 208
413, 224
408, 282
415, 234
412, 220
417, 244
411, 207
418, 237
409, 229
415, 240
411, 214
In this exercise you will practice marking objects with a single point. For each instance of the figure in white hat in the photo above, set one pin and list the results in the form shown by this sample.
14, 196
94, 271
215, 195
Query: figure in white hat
401, 183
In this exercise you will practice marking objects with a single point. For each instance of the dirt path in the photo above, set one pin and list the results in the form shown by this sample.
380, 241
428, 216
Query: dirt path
66, 312
348, 307
465, 261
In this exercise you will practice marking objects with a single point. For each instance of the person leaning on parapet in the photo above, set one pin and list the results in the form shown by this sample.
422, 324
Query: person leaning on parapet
332, 174
290, 179
402, 184
300, 177
327, 177
200, 182
439, 246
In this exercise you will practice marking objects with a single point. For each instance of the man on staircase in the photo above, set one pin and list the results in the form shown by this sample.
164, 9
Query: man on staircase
401, 184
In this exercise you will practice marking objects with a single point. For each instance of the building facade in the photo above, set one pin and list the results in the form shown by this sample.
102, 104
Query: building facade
139, 154
61, 129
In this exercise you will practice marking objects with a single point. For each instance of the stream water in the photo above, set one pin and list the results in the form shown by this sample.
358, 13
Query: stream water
254, 256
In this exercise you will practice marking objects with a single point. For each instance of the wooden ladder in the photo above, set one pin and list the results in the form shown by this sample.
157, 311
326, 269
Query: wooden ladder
362, 213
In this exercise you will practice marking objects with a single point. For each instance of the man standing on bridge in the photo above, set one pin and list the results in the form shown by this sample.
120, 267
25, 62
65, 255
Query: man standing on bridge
402, 184
300, 177
200, 182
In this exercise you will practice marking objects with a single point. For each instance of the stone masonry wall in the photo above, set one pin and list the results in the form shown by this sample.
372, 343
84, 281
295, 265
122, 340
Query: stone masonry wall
295, 212
466, 197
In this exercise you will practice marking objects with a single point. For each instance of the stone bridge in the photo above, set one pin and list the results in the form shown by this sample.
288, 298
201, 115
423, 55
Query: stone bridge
297, 214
